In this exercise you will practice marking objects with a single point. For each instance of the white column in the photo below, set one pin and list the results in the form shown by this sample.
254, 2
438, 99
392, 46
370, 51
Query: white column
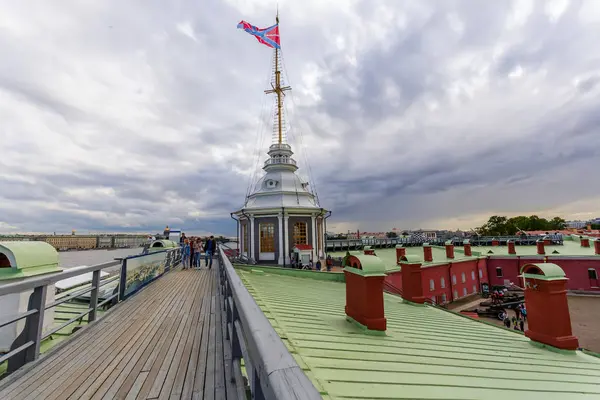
280, 220
240, 238
313, 223
320, 239
251, 252
286, 239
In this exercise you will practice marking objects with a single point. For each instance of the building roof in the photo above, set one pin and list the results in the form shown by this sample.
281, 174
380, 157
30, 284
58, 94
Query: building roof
427, 353
569, 248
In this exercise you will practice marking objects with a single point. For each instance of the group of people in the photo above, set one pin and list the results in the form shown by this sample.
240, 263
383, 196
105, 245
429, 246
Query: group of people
518, 320
192, 249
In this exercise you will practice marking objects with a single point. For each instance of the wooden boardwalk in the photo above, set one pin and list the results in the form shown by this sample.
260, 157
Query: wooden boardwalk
166, 342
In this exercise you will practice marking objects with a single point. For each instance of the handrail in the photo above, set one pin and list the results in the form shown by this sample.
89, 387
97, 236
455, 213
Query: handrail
49, 279
272, 370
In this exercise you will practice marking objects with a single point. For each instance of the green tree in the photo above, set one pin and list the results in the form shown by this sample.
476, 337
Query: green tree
500, 225
557, 223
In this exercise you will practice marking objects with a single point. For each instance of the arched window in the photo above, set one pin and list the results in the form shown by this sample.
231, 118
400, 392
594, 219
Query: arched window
464, 277
443, 297
474, 289
431, 285
473, 275
480, 274
300, 236
454, 279
4, 261
267, 237
464, 291
442, 282
455, 295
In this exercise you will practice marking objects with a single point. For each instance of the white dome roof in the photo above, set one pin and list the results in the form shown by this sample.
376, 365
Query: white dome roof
281, 188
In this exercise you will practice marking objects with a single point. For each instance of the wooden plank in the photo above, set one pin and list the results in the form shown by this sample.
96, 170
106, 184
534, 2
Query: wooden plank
199, 378
188, 352
133, 378
167, 342
209, 381
220, 393
96, 385
145, 349
40, 370
179, 358
188, 386
137, 386
86, 375
111, 333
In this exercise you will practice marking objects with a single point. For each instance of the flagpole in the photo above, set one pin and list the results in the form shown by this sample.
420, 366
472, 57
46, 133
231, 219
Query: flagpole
278, 84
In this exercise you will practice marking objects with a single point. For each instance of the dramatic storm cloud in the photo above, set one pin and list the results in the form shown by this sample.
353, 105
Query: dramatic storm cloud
137, 114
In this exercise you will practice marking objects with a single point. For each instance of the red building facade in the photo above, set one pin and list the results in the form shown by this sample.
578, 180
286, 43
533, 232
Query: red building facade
456, 279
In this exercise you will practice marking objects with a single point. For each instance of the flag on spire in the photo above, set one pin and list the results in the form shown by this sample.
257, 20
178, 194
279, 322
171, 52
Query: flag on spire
267, 36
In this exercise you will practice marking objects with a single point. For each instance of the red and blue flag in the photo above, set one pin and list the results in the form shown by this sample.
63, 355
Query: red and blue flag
267, 36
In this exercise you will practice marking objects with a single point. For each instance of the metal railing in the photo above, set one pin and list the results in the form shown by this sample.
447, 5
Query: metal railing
26, 347
274, 161
272, 371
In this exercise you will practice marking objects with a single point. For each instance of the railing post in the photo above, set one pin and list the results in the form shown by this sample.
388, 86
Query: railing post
35, 322
257, 393
94, 295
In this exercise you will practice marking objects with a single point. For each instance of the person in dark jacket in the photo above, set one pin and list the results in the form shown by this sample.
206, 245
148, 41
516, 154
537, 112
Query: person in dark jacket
209, 249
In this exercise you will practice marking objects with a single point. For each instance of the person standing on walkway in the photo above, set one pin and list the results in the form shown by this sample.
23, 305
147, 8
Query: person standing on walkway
197, 252
186, 254
192, 250
209, 249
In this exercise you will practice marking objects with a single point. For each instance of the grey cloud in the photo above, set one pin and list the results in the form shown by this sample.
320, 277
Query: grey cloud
197, 100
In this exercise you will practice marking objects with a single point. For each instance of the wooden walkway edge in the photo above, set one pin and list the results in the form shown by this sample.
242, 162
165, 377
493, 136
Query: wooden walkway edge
165, 342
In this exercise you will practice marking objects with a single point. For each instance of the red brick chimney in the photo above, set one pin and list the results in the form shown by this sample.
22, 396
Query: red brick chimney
540, 247
548, 317
597, 246
585, 241
427, 254
467, 248
400, 251
412, 281
547, 241
364, 291
369, 251
511, 247
449, 249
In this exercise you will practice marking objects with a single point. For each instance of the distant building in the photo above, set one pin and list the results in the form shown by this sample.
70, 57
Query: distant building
576, 224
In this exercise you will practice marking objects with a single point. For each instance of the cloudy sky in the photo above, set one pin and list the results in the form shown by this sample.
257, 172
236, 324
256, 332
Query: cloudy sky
132, 115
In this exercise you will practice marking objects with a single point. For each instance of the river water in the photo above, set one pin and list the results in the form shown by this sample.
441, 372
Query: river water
70, 259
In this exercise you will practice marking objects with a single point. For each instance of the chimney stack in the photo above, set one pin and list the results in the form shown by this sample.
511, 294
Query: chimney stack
467, 248
540, 247
495, 242
427, 254
547, 241
511, 246
585, 241
412, 280
400, 252
597, 246
548, 316
364, 291
449, 249
369, 251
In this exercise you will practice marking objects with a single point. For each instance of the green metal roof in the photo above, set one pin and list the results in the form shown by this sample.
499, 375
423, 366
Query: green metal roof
550, 271
427, 353
371, 266
28, 258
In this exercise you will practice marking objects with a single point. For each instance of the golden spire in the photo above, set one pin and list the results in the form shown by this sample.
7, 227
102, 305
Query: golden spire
278, 89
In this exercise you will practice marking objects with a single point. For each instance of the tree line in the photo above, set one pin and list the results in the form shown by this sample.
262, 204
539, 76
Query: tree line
504, 226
